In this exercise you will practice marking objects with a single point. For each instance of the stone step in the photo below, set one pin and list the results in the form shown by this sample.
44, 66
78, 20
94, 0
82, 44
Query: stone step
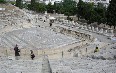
46, 66
11, 40
18, 41
4, 44
18, 66
28, 44
7, 42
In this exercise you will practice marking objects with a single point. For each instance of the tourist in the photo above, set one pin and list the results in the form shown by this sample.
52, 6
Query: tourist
50, 24
32, 55
96, 49
86, 49
44, 21
16, 52
62, 54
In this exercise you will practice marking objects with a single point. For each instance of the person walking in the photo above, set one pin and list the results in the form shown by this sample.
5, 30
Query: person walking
16, 52
32, 55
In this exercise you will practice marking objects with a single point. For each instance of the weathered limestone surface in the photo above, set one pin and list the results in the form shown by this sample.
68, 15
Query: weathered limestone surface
46, 66
64, 48
35, 38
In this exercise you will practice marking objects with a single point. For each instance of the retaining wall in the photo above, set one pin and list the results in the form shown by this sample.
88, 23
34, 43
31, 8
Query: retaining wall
53, 53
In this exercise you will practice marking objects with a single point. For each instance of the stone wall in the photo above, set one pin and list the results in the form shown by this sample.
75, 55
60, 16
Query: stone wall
107, 31
73, 33
54, 53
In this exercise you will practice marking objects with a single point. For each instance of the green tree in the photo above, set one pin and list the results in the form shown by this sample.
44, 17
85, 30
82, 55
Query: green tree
32, 7
111, 13
100, 13
88, 12
91, 13
25, 5
19, 3
36, 6
2, 1
58, 7
40, 7
80, 9
29, 6
50, 8
69, 7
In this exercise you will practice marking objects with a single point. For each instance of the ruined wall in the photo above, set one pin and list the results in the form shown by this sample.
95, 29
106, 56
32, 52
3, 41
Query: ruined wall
54, 53
74, 33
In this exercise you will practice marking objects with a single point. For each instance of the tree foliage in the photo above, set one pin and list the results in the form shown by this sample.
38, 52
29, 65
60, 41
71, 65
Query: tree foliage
111, 13
80, 8
88, 11
19, 3
50, 8
100, 13
92, 13
32, 7
69, 7
38, 7
2, 1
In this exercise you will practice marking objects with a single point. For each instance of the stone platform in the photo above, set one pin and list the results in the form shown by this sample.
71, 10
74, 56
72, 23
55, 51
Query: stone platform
35, 38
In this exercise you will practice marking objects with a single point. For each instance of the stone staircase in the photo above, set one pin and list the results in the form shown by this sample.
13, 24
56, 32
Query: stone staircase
71, 65
84, 65
30, 38
20, 66
46, 66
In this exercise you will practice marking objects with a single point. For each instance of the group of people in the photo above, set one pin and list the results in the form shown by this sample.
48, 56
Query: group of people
17, 53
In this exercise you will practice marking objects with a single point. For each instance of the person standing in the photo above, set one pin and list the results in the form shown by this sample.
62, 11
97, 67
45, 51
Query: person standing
16, 52
32, 55
62, 54
96, 49
50, 24
86, 50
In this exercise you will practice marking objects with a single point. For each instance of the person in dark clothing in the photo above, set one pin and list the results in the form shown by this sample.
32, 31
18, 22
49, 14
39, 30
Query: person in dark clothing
16, 52
32, 55
44, 21
62, 54
50, 24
